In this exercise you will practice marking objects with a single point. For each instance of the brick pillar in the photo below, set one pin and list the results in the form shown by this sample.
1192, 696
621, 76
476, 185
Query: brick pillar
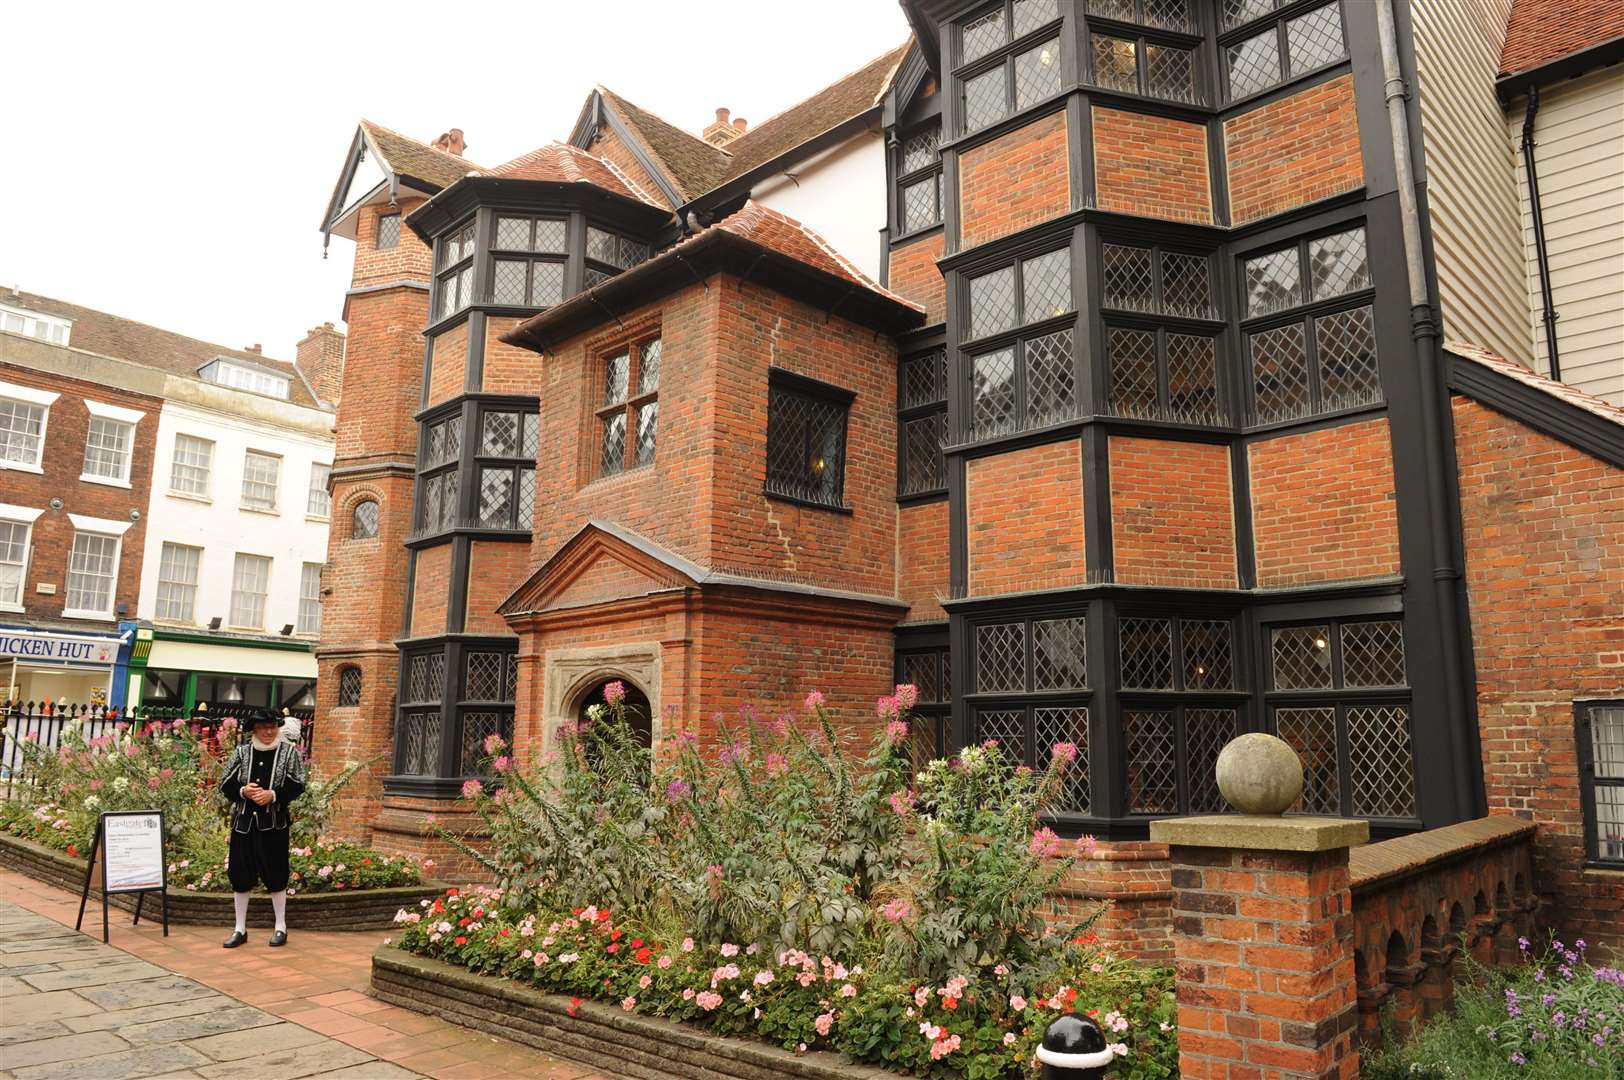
1263, 946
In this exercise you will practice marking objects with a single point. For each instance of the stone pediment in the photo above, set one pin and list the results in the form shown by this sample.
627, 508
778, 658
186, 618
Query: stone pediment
599, 564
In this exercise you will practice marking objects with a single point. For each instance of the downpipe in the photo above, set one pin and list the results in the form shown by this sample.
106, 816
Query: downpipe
1541, 258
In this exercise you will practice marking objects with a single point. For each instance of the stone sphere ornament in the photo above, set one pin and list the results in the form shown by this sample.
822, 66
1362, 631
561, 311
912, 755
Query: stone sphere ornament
1260, 774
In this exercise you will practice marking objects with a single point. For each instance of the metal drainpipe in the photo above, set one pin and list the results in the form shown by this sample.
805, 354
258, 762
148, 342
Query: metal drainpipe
1540, 257
1424, 331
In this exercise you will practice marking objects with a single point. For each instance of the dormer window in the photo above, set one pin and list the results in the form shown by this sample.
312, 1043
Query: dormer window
455, 280
44, 327
609, 253
244, 377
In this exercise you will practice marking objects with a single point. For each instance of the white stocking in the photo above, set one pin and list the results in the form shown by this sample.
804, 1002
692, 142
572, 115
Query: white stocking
279, 904
239, 901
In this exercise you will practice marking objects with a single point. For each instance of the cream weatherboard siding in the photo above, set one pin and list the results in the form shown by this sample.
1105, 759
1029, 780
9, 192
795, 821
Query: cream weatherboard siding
1471, 179
1579, 151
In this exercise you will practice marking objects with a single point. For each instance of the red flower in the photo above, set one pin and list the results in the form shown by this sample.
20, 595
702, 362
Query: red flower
504, 931
366, 862
950, 1003
464, 921
438, 908
459, 940
642, 955
575, 1002
479, 912
614, 948
73, 849
637, 943
614, 935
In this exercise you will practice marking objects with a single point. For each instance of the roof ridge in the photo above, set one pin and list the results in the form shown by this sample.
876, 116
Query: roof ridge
457, 158
556, 149
700, 139
828, 249
225, 350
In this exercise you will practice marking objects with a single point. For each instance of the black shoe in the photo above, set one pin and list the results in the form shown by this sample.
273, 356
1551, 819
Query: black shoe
280, 937
237, 938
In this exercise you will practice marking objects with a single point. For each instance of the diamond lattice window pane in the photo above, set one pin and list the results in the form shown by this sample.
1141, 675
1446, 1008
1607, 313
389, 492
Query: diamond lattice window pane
1300, 658
532, 435
985, 99
1128, 281
1279, 374
1273, 282
1338, 264
1347, 359
1046, 281
507, 281
364, 522
483, 674
992, 393
603, 246
550, 236
648, 366
982, 35
806, 447
922, 439
1254, 64
495, 498
1186, 285
1170, 73
1050, 726
1146, 653
924, 380
476, 728
546, 283
595, 277
1116, 64
1169, 14
500, 437
922, 671
1037, 73
524, 515
648, 419
616, 372
510, 679
1031, 14
419, 741
1192, 379
349, 687
1001, 658
1312, 734
1133, 371
425, 677
920, 148
1153, 785
1007, 728
992, 303
1373, 653
613, 453
1051, 386
512, 234
1060, 654
919, 204
1237, 12
1381, 764
1209, 655
1206, 731
1315, 39
1121, 10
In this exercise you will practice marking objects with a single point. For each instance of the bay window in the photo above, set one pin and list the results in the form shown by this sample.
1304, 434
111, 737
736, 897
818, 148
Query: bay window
454, 281
1009, 58
527, 261
1029, 381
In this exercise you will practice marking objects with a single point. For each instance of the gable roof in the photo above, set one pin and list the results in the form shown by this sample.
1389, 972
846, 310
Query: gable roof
136, 342
563, 164
406, 156
1559, 410
691, 164
1542, 31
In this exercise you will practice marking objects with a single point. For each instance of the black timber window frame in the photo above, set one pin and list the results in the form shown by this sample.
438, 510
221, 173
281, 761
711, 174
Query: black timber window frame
628, 413
1308, 327
807, 429
1021, 365
453, 695
349, 687
1260, 36
608, 252
996, 47
1599, 730
929, 670
505, 462
388, 232
439, 474
454, 278
1156, 14
1338, 691
526, 260
1180, 699
917, 165
1145, 60
922, 425
1030, 684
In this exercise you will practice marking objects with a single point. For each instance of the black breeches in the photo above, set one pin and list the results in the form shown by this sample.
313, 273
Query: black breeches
258, 856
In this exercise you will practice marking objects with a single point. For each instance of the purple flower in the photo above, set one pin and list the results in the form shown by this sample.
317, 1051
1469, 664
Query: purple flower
1518, 1059
677, 790
614, 693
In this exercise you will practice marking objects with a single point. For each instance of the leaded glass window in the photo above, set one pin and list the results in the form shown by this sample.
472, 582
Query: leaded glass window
1162, 375
929, 672
918, 166
364, 520
1032, 382
529, 269
388, 231
349, 687
922, 423
454, 281
1284, 49
1011, 72
1138, 65
1156, 281
629, 409
806, 440
1600, 738
1160, 14
608, 253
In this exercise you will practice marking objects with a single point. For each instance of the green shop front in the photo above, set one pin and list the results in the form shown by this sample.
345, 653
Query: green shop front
172, 672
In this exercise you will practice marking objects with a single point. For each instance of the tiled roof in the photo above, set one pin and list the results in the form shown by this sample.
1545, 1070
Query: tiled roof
570, 165
1573, 396
691, 164
1541, 31
408, 157
124, 339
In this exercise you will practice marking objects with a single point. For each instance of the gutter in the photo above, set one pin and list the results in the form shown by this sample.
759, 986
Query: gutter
1541, 255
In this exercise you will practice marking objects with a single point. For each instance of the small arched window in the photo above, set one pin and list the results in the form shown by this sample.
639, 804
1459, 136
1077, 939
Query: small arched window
349, 687
364, 522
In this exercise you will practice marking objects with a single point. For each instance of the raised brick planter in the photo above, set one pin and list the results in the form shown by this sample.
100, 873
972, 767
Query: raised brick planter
365, 909
600, 1036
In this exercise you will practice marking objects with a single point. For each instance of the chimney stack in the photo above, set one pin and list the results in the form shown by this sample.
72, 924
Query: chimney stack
722, 132
321, 357
451, 142
254, 348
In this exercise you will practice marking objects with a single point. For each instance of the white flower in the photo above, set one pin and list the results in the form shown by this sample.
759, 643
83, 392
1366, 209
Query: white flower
92, 801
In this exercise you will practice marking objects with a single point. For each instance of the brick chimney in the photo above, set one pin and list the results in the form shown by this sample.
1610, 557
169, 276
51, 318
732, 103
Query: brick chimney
254, 348
722, 132
321, 357
451, 142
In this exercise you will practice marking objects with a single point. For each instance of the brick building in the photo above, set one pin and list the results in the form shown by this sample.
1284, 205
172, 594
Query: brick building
1138, 429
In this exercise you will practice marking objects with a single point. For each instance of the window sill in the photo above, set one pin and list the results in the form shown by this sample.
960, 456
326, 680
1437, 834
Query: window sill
16, 608
96, 616
105, 481
189, 497
634, 471
1607, 871
20, 467
834, 508
244, 629
267, 511
919, 498
319, 519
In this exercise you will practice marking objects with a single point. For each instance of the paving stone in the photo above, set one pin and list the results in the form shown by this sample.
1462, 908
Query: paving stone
134, 1064
95, 975
61, 955
40, 1008
60, 1048
17, 1033
14, 987
294, 1063
376, 1070
146, 1014
254, 1042
180, 1029
145, 992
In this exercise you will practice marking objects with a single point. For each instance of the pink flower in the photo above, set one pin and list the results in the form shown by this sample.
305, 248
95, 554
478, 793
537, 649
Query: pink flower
1017, 1002
688, 994
614, 693
1009, 1038
901, 802
814, 701
502, 764
896, 910
896, 731
824, 1022
907, 695
326, 871
848, 991
734, 752
708, 1000
1046, 845
886, 707
493, 743
663, 962
644, 982
677, 790
1063, 754
728, 949
687, 944
777, 764
154, 782
763, 978
472, 789
1084, 847
628, 1003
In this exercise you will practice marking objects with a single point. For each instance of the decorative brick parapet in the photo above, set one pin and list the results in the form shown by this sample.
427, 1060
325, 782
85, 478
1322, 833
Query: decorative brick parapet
1263, 945
1134, 878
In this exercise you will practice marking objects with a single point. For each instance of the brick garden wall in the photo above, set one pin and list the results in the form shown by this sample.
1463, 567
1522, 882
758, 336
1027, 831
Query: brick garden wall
1015, 181
1172, 513
1151, 166
1293, 151
1025, 514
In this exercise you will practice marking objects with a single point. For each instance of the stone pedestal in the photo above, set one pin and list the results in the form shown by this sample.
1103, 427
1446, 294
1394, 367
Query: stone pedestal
1263, 944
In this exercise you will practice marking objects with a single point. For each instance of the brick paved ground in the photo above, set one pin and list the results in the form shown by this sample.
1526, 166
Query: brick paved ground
311, 995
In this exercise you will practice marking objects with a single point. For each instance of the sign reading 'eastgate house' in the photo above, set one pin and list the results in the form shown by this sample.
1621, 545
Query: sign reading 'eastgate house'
59, 649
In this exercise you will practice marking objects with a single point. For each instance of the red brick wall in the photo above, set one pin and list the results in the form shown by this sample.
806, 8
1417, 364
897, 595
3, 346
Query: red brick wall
922, 559
914, 275
383, 377
1134, 877
1172, 513
67, 425
1151, 166
508, 369
1014, 181
1544, 531
448, 367
1293, 151
431, 592
1323, 507
494, 571
409, 260
1025, 513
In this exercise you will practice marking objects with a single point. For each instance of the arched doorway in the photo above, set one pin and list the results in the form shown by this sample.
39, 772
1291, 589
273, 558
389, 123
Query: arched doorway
639, 717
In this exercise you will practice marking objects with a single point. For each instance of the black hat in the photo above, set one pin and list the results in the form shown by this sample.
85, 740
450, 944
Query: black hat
253, 717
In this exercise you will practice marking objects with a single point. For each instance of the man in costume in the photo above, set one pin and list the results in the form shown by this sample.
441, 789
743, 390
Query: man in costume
262, 776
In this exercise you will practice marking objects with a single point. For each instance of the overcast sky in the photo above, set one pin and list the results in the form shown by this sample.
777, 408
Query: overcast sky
171, 162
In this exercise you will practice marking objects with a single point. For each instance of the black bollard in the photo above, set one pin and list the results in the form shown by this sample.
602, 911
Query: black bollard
1074, 1049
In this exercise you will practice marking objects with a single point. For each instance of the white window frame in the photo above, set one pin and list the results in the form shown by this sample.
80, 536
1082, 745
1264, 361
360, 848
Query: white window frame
325, 470
158, 612
24, 516
111, 414
28, 395
251, 379
310, 625
175, 463
105, 529
50, 328
236, 581
276, 483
